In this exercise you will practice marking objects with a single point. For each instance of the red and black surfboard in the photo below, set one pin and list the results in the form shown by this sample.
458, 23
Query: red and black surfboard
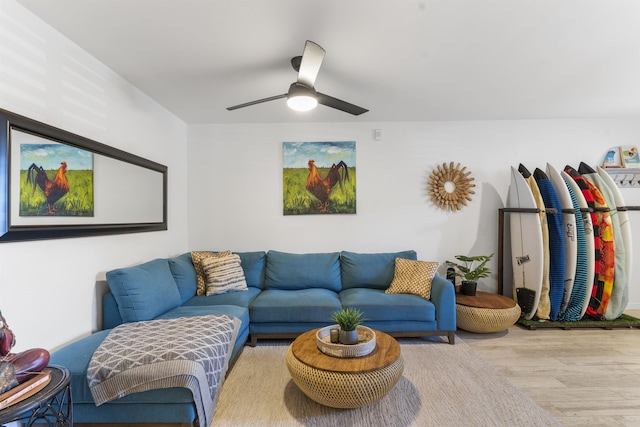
598, 277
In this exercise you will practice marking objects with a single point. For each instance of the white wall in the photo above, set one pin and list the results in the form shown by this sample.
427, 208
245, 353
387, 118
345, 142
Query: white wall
48, 288
235, 184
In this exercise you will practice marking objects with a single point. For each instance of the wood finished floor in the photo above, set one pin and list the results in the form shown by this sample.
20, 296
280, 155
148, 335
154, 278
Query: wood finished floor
583, 377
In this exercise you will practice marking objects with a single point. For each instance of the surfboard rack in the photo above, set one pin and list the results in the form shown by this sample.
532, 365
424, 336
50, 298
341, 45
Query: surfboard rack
502, 211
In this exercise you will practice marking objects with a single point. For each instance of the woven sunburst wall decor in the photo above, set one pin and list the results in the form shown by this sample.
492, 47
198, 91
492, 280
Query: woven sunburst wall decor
450, 187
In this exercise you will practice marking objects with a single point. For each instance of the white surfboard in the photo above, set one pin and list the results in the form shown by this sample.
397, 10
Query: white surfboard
569, 231
625, 224
527, 250
588, 231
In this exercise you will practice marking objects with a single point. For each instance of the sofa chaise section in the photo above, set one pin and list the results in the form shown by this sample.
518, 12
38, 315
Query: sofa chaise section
158, 289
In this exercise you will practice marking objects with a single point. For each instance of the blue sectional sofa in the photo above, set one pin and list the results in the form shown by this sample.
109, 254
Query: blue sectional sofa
287, 294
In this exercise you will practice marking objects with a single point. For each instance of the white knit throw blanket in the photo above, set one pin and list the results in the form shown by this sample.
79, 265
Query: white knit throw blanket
191, 352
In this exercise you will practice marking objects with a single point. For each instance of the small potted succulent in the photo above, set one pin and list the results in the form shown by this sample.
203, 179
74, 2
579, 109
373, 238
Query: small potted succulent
470, 269
348, 319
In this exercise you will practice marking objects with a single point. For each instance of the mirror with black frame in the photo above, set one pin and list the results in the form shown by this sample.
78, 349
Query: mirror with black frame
56, 184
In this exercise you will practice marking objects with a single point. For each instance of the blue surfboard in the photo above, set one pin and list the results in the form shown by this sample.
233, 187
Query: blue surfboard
573, 311
556, 242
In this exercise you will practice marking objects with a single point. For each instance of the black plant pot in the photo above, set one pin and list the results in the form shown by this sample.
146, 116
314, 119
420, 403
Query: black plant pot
469, 288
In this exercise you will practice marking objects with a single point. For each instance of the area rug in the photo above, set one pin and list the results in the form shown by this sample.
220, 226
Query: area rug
442, 385
624, 321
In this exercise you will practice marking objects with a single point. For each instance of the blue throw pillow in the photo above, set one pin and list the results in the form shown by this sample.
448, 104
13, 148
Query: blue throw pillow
145, 291
185, 276
370, 270
303, 271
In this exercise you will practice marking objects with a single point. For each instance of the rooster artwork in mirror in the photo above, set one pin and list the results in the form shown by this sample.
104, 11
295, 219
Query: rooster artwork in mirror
58, 181
20, 366
53, 190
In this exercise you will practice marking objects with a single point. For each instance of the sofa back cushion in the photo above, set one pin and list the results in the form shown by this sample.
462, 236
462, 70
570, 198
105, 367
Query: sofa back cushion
145, 291
253, 264
303, 271
184, 275
370, 270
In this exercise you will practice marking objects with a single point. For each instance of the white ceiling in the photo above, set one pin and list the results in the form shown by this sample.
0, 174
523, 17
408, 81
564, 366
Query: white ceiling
403, 60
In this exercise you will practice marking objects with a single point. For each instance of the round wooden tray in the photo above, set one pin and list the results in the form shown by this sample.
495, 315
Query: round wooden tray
366, 343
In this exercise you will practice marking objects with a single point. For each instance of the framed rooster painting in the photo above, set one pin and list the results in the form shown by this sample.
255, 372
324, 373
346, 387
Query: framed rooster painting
55, 179
319, 178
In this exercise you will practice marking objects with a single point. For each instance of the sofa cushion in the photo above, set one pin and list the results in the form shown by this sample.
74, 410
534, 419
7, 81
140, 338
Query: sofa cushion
197, 257
76, 357
241, 299
253, 264
303, 271
370, 270
145, 291
294, 306
379, 306
240, 313
185, 275
413, 277
223, 274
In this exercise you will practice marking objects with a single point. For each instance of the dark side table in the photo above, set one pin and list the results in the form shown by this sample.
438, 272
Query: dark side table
51, 405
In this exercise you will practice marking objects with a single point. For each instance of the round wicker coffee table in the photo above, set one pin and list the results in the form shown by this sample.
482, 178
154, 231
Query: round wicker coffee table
485, 312
345, 382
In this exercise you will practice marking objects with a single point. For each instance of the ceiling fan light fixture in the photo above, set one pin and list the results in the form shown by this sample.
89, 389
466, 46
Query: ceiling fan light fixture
302, 102
301, 98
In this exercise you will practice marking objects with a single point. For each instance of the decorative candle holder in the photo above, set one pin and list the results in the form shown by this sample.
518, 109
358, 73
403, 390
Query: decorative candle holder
334, 335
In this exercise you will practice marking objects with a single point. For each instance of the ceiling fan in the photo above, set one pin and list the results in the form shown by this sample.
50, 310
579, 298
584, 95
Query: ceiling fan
302, 96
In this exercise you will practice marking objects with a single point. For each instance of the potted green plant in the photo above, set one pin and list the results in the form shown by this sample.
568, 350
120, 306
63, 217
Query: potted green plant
470, 269
348, 320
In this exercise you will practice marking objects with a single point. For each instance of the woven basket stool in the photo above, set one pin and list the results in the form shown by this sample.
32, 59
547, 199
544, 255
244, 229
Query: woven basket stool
486, 313
344, 389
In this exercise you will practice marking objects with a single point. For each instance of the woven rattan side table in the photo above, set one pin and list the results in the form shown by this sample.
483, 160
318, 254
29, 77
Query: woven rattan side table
485, 312
345, 382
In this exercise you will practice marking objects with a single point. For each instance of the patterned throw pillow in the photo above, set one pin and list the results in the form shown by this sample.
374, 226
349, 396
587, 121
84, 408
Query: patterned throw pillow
197, 257
413, 277
224, 274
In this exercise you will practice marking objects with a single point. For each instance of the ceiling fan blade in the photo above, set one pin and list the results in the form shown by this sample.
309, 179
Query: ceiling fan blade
339, 104
259, 101
310, 64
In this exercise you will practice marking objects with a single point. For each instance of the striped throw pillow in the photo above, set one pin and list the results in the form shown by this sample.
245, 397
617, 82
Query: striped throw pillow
413, 277
197, 257
224, 274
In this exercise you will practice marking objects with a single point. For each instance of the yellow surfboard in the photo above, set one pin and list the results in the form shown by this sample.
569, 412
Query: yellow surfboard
544, 305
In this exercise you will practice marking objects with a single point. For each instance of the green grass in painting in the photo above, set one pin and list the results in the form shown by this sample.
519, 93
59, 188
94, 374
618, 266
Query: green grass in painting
77, 202
298, 201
